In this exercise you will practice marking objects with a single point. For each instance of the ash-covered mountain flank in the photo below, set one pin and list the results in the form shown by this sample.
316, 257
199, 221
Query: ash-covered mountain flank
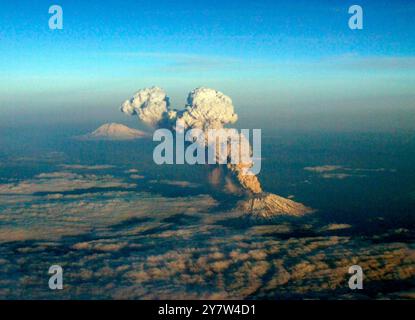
266, 205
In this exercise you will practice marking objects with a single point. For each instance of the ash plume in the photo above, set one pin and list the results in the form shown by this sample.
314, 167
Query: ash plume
208, 109
211, 109
150, 105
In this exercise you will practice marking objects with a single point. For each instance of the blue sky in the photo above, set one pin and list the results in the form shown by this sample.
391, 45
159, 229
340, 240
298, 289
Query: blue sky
271, 55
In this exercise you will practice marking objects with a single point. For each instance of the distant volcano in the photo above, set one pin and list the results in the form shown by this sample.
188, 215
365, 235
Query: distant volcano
114, 131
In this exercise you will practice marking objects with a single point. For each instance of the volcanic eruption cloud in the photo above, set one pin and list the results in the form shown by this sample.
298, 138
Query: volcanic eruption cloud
207, 110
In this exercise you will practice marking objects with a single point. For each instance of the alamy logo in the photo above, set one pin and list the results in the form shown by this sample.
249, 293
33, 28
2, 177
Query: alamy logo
356, 280
356, 20
56, 20
209, 146
56, 280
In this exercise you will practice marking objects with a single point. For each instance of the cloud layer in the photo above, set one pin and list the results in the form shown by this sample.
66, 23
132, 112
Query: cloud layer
124, 244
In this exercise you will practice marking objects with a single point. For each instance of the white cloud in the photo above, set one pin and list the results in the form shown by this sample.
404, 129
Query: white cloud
62, 182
